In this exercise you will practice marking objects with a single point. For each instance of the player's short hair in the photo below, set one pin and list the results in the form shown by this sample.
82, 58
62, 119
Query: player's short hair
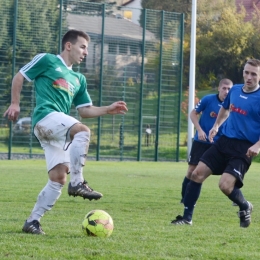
225, 82
253, 62
72, 36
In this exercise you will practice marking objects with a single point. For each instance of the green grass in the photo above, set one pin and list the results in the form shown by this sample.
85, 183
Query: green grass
142, 198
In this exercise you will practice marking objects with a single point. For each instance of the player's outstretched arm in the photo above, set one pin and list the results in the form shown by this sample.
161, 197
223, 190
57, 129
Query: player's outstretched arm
13, 111
118, 107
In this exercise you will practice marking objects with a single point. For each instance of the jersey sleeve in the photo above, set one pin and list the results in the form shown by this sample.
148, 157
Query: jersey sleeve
35, 67
201, 105
82, 98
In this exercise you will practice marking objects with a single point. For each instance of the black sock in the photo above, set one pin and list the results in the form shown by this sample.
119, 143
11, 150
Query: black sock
237, 197
184, 186
191, 196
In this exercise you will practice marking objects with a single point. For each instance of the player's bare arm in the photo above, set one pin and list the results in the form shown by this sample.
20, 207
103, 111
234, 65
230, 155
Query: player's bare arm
222, 117
253, 150
194, 116
13, 111
118, 107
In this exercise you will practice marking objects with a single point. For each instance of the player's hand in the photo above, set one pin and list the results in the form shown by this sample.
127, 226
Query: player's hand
118, 107
12, 113
212, 134
202, 135
253, 150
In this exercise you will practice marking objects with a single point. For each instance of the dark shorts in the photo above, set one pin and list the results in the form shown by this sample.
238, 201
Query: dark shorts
197, 150
228, 155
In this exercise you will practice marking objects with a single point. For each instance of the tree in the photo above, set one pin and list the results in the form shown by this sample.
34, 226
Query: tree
253, 47
36, 31
208, 14
224, 48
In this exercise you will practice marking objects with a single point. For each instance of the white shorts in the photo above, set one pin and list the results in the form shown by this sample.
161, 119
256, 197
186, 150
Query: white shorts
53, 134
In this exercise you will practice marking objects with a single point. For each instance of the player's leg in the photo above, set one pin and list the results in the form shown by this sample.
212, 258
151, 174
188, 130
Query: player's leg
230, 183
186, 180
227, 186
80, 136
52, 190
51, 132
197, 150
201, 172
211, 161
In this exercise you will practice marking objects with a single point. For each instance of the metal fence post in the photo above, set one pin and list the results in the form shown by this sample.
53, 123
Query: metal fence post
159, 89
60, 26
141, 90
121, 139
13, 72
180, 86
101, 78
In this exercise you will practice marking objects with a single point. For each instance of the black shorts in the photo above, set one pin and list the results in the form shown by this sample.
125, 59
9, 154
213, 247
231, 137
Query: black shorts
197, 150
228, 155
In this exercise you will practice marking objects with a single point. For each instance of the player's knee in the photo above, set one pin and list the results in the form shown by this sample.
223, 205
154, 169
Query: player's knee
78, 128
195, 176
198, 176
201, 172
83, 128
225, 187
59, 174
227, 183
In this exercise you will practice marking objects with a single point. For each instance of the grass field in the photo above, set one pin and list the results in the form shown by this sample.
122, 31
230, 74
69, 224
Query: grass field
142, 198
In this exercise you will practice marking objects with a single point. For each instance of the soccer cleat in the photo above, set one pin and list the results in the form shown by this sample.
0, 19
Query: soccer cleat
181, 221
84, 191
33, 227
245, 216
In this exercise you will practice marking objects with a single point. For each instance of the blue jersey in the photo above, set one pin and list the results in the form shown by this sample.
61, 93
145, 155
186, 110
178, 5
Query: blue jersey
244, 119
209, 107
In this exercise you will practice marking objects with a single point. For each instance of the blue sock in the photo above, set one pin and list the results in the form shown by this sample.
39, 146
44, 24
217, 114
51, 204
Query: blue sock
237, 197
184, 186
191, 196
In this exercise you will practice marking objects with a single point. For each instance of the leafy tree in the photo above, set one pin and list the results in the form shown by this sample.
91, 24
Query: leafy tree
209, 16
224, 48
208, 13
36, 31
253, 47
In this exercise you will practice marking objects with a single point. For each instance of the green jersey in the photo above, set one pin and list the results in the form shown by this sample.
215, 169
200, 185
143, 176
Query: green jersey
57, 86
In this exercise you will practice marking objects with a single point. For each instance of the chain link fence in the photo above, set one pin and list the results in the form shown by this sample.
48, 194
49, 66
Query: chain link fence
135, 55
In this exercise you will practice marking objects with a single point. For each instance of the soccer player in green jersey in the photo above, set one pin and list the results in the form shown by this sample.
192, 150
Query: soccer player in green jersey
64, 139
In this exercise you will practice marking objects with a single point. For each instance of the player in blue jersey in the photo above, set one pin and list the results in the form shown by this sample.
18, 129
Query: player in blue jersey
203, 116
232, 153
65, 140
